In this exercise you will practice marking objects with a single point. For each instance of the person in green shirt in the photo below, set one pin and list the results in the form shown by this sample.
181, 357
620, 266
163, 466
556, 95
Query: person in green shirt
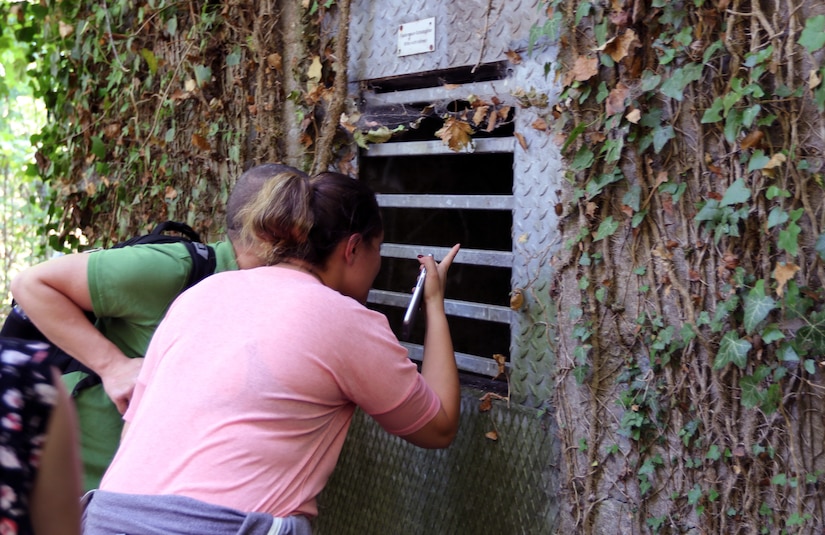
129, 290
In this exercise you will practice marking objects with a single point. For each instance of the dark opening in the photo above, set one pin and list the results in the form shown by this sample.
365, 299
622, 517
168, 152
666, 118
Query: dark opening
489, 230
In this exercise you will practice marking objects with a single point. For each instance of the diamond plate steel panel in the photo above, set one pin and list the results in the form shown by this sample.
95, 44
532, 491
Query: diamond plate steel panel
382, 484
467, 33
538, 175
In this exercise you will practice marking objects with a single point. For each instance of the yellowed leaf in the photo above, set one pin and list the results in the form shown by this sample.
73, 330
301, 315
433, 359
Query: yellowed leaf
480, 114
783, 273
492, 435
814, 80
455, 133
450, 87
190, 85
513, 56
314, 71
540, 124
521, 140
634, 116
500, 359
775, 161
65, 30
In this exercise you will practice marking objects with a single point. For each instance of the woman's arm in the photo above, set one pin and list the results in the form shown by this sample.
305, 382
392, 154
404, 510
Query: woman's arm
438, 367
55, 498
55, 295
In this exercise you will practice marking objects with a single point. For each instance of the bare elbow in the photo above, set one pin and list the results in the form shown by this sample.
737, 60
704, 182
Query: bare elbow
434, 436
442, 441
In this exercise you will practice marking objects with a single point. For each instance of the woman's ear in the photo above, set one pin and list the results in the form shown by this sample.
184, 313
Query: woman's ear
353, 242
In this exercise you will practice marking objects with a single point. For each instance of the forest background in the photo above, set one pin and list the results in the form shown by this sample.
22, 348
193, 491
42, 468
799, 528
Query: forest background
687, 296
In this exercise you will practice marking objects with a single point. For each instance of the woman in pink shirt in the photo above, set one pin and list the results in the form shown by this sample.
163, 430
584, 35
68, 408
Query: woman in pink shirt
250, 383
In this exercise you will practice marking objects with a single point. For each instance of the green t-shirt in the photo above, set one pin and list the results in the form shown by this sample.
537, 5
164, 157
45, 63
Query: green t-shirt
131, 290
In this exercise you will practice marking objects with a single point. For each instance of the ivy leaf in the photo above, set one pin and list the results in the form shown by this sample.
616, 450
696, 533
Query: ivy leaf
738, 192
810, 366
674, 87
788, 239
98, 147
584, 158
710, 211
813, 36
777, 216
203, 74
661, 136
820, 246
650, 81
757, 306
151, 60
758, 161
772, 334
751, 395
632, 199
606, 228
732, 349
714, 113
813, 334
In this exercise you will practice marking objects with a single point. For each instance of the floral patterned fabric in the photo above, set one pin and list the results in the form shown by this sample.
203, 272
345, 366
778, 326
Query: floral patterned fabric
27, 396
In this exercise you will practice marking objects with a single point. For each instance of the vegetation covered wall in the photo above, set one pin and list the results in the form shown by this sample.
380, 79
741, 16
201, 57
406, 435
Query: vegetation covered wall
690, 391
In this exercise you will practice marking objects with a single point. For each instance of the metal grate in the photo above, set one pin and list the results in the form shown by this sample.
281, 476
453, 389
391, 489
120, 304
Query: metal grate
384, 485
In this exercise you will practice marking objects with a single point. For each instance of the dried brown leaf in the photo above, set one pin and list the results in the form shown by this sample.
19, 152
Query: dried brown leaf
621, 46
513, 56
540, 124
775, 161
486, 403
783, 273
521, 140
455, 134
275, 61
615, 102
516, 303
201, 142
492, 435
500, 359
752, 140
480, 114
584, 68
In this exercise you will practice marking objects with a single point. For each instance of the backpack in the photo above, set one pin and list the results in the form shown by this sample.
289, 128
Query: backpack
18, 325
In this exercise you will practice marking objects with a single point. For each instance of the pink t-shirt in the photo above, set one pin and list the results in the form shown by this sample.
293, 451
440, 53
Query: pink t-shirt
249, 387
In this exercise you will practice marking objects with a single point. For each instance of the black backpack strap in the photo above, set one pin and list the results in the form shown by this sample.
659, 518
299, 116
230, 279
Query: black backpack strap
204, 262
180, 228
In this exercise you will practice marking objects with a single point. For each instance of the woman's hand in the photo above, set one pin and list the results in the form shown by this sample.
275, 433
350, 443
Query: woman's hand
436, 280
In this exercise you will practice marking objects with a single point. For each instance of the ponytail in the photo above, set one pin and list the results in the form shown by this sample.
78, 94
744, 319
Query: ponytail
305, 219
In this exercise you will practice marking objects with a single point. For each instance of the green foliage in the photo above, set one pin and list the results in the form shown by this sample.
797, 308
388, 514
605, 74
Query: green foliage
22, 194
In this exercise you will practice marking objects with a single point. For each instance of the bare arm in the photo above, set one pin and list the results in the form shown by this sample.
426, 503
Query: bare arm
55, 498
55, 295
439, 368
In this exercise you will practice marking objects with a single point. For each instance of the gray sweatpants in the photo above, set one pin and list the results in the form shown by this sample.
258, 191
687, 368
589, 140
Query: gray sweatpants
113, 513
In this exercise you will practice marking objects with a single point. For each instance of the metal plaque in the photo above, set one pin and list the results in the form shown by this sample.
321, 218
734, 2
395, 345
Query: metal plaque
416, 37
